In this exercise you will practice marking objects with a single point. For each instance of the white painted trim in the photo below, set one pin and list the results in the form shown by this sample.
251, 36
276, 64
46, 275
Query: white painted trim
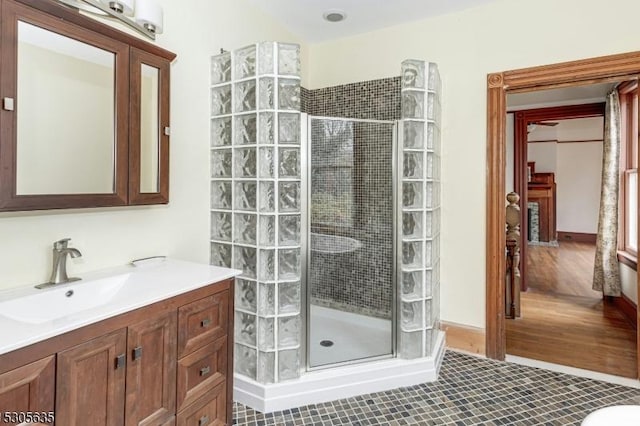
341, 382
588, 374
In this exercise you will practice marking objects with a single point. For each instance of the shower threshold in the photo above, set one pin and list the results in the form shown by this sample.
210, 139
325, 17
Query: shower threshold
338, 382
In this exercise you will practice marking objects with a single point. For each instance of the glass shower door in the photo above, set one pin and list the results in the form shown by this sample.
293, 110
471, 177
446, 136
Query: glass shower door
350, 259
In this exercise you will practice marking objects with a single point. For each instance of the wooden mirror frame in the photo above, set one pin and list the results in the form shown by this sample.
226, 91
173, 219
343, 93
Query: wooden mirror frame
611, 68
53, 16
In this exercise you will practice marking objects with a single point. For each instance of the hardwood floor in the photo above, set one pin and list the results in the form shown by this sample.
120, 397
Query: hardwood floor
576, 328
567, 269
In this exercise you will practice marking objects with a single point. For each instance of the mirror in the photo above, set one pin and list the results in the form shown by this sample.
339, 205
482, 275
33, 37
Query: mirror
149, 129
66, 115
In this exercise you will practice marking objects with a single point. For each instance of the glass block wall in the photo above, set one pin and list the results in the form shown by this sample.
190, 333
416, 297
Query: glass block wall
419, 262
255, 202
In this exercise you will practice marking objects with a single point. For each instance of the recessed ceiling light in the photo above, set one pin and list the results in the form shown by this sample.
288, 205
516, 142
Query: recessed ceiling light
334, 15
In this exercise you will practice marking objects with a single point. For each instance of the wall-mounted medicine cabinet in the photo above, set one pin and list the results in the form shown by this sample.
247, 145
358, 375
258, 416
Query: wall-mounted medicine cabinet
84, 117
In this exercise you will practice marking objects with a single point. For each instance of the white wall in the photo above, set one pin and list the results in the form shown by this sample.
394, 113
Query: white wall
577, 167
500, 36
578, 186
581, 129
542, 133
194, 29
545, 155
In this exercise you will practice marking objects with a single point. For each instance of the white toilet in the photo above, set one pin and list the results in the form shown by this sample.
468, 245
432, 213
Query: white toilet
618, 415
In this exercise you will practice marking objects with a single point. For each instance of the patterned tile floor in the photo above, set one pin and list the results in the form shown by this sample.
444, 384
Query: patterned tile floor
469, 391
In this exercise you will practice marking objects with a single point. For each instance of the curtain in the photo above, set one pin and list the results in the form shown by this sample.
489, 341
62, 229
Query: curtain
606, 275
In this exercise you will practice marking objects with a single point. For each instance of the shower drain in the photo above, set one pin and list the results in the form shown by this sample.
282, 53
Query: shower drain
326, 343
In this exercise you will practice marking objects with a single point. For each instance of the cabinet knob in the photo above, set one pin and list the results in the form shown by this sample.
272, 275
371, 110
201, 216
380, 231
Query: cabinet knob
7, 104
203, 420
136, 353
205, 323
120, 361
205, 370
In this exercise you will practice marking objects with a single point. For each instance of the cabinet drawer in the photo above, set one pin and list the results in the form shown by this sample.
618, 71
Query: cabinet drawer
201, 371
209, 411
202, 322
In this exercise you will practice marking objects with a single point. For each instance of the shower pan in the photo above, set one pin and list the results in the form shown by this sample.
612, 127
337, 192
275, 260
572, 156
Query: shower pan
334, 223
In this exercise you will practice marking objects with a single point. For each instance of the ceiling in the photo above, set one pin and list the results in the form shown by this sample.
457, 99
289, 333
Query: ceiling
556, 97
566, 130
304, 18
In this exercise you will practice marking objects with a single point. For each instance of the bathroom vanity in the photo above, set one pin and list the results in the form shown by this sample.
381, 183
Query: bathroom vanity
149, 345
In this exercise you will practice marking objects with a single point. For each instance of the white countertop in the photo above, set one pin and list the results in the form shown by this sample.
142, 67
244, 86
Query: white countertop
136, 286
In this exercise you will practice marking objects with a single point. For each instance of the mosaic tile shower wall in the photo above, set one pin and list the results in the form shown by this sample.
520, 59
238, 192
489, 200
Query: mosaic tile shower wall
255, 202
351, 263
369, 100
420, 266
305, 96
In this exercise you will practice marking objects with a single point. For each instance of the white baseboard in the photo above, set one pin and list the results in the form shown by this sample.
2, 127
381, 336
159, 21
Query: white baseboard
340, 382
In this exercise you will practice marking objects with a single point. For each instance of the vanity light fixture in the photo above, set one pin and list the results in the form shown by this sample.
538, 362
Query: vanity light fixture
123, 7
149, 14
144, 16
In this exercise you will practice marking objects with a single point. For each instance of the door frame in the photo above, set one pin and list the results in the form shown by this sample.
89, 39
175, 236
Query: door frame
610, 68
522, 118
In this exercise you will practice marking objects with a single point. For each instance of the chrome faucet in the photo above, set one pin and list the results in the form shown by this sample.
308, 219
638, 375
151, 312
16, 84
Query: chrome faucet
59, 269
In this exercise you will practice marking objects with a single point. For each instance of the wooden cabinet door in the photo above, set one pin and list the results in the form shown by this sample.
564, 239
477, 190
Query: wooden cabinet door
91, 382
28, 389
148, 127
151, 371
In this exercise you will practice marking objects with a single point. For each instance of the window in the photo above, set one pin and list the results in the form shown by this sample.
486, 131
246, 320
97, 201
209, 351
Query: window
628, 235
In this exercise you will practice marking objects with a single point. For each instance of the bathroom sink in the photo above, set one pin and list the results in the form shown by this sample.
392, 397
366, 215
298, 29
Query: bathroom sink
29, 315
333, 244
54, 303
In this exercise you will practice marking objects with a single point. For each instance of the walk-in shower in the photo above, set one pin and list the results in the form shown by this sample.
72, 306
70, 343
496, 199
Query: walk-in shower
334, 222
350, 273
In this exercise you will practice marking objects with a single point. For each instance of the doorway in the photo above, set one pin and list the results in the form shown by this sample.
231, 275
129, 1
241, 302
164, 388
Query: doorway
559, 147
590, 71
